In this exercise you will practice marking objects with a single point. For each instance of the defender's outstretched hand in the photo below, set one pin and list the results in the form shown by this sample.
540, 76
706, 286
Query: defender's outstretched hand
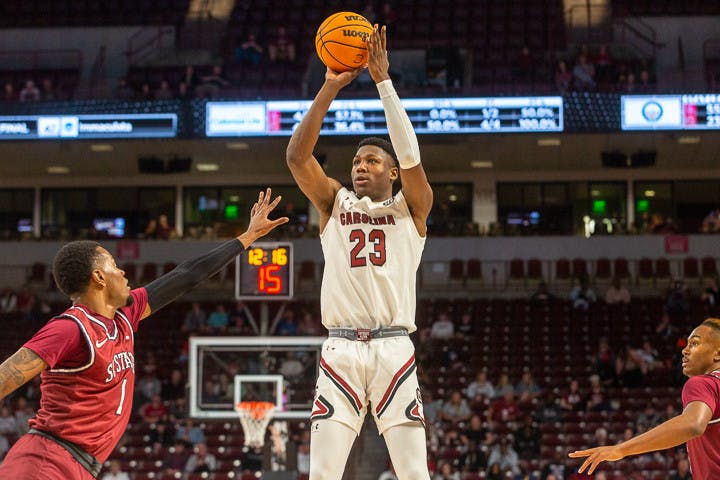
260, 225
378, 63
596, 456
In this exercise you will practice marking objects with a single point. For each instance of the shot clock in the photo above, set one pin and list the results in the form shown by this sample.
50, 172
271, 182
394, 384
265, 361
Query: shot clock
265, 272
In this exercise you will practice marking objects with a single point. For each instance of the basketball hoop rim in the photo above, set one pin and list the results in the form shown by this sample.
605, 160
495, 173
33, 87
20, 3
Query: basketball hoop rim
254, 409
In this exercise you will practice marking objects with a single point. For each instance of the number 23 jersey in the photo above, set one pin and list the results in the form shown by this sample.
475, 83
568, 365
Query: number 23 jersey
372, 253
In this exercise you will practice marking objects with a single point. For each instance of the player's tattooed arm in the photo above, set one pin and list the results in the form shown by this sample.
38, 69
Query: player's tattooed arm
19, 369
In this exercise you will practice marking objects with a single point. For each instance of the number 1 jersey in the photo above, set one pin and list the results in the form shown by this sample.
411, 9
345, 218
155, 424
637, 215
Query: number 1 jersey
372, 253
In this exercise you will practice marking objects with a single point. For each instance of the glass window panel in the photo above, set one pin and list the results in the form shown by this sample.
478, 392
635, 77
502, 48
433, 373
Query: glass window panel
16, 213
452, 208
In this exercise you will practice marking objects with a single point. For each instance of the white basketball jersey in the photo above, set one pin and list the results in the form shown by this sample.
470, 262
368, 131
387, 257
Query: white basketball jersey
372, 253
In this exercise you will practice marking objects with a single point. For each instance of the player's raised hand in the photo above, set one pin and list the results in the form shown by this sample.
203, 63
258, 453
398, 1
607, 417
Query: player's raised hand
344, 78
260, 224
378, 63
597, 455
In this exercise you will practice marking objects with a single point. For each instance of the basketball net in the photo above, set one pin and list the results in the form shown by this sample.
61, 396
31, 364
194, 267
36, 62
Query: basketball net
254, 418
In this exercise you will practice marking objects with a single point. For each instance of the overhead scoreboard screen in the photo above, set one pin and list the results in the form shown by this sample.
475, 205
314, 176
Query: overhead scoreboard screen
54, 127
671, 112
366, 117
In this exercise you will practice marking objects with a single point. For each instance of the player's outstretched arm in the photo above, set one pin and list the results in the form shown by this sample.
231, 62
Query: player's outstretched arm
676, 431
305, 169
19, 369
189, 274
415, 185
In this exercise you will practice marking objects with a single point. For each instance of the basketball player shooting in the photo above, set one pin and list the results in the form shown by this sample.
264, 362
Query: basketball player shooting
372, 242
86, 354
699, 423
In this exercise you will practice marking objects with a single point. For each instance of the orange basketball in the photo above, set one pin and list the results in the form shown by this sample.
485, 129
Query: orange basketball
340, 41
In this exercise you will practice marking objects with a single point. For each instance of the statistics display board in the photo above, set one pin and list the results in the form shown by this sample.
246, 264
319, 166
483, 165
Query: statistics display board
362, 117
53, 127
671, 112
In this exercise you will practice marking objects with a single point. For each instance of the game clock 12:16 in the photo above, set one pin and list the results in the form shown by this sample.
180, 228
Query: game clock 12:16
265, 272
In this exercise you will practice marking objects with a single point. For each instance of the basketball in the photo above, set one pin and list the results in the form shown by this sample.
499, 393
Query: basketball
340, 41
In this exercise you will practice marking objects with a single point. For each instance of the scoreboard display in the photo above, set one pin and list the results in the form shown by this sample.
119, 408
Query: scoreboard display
265, 272
69, 126
671, 112
367, 117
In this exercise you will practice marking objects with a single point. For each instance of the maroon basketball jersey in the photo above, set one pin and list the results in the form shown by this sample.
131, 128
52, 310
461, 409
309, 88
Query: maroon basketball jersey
704, 451
90, 405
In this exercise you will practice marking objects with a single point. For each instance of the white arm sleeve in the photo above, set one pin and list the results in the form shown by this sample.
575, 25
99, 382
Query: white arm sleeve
402, 134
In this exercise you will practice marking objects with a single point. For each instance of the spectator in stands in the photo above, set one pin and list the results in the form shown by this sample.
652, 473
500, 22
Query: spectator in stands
190, 78
648, 356
145, 93
677, 300
443, 328
603, 64
190, 433
541, 296
504, 454
369, 12
30, 92
249, 51
47, 90
388, 15
23, 413
303, 459
583, 74
480, 388
604, 362
155, 411
115, 472
238, 320
711, 223
710, 296
628, 368
503, 385
195, 319
173, 387
629, 85
617, 294
524, 65
309, 325
164, 92
447, 471
159, 229
573, 398
466, 328
646, 84
8, 301
162, 436
124, 91
287, 326
8, 424
683, 471
281, 48
455, 409
431, 406
183, 92
505, 409
175, 458
218, 320
494, 472
211, 84
527, 440
146, 388
555, 468
201, 461
9, 93
596, 399
582, 296
527, 389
